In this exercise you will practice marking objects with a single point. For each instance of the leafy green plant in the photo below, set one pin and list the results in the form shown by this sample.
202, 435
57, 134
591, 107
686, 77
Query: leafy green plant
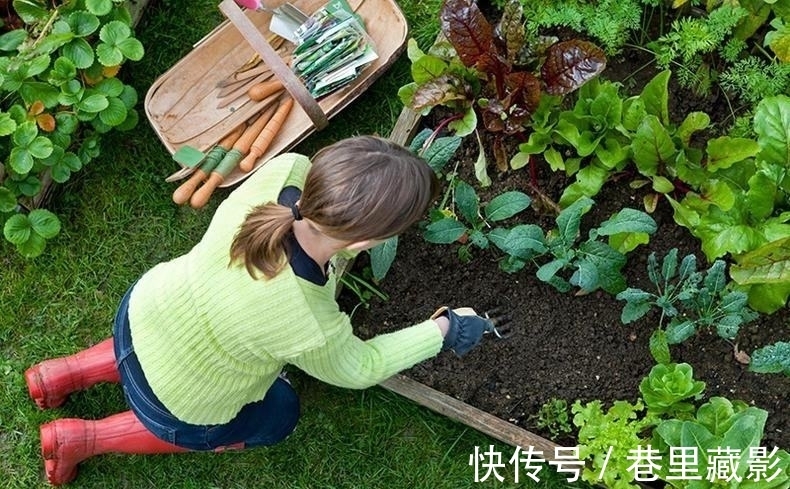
674, 429
691, 41
742, 207
591, 264
362, 287
60, 93
593, 128
771, 359
437, 152
607, 438
753, 79
721, 428
667, 386
610, 22
470, 221
689, 299
493, 87
554, 416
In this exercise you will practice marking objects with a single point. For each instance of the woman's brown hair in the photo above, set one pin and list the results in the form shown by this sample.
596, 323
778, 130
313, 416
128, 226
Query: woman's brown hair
360, 188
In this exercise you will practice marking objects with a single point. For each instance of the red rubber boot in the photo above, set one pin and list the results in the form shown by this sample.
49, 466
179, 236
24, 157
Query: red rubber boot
51, 381
67, 442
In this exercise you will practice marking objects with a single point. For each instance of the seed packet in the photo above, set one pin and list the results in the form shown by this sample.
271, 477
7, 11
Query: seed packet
332, 48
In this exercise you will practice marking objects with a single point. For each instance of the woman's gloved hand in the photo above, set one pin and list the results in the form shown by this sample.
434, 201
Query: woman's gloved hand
465, 331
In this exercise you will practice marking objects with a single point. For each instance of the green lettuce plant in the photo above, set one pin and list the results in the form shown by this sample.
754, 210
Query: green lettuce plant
667, 387
60, 94
724, 429
675, 426
593, 128
608, 436
743, 210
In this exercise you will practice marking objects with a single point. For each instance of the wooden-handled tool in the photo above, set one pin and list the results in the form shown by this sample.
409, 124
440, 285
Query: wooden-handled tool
184, 191
267, 135
240, 148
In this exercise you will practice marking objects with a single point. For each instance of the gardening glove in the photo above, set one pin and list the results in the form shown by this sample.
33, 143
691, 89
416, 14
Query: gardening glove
465, 331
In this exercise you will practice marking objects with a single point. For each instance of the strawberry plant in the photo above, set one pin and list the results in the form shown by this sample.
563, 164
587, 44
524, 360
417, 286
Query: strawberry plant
60, 94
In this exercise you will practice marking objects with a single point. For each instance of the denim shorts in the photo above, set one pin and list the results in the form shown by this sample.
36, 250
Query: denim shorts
259, 423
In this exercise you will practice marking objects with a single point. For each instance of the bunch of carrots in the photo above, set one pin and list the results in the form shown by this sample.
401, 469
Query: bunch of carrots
241, 148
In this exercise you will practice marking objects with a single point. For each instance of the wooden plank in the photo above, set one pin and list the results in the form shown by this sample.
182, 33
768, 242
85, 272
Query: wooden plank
470, 416
405, 127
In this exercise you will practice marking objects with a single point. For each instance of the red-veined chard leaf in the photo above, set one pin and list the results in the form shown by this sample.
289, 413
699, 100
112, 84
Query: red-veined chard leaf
439, 91
467, 29
570, 64
510, 30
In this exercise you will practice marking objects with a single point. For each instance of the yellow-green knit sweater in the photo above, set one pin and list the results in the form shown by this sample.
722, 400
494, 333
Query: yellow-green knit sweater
210, 339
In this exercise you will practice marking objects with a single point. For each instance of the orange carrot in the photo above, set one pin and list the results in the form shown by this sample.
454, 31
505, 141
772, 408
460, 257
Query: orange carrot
261, 90
267, 135
184, 191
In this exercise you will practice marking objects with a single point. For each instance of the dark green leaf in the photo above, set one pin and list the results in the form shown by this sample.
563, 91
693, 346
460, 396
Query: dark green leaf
99, 7
772, 358
83, 23
444, 232
7, 200
44, 223
506, 205
115, 113
382, 257
569, 219
679, 331
17, 229
441, 151
12, 39
467, 201
79, 52
659, 347
628, 221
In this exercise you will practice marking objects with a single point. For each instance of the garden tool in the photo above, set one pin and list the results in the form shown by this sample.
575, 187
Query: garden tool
285, 19
205, 165
231, 159
500, 322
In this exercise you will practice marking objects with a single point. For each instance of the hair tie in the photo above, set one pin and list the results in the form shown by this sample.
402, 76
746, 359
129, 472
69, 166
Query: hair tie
295, 212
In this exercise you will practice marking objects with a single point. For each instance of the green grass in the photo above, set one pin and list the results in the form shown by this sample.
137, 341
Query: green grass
118, 221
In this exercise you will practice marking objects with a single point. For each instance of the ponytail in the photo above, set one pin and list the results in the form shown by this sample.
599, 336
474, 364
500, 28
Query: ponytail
260, 242
360, 188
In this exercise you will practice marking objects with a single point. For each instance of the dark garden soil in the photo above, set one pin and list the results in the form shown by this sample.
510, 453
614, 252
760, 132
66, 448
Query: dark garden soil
565, 346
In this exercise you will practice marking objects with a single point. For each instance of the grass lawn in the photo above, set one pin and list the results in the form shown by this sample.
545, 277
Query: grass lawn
118, 221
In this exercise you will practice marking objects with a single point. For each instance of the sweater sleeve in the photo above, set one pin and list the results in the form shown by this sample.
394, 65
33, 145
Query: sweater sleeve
347, 361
